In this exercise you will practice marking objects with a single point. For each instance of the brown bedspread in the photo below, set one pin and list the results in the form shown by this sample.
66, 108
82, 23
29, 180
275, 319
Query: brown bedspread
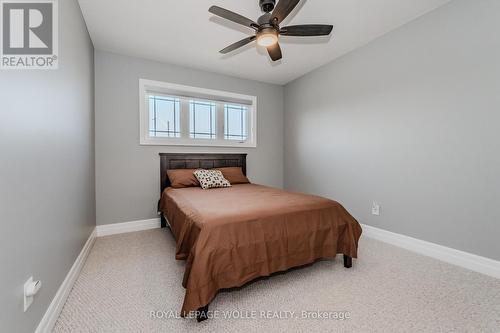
230, 236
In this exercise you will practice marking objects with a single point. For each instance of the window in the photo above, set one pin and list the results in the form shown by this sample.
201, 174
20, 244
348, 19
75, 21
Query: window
235, 122
201, 119
173, 114
164, 119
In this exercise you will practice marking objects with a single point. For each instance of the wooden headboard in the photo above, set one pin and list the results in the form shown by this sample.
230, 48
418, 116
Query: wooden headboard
194, 161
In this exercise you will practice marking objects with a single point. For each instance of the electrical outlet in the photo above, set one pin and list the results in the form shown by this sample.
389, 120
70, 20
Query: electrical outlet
375, 208
27, 299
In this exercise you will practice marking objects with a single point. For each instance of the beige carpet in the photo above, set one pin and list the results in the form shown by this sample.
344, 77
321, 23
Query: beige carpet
388, 290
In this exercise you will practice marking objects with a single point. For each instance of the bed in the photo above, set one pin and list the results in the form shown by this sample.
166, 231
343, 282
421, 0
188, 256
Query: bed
230, 236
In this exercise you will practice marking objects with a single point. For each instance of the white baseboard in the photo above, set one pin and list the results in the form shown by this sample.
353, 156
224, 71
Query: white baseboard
48, 321
50, 317
120, 228
456, 257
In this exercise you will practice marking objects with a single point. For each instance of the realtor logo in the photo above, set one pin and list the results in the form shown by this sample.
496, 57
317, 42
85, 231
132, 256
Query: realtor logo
29, 37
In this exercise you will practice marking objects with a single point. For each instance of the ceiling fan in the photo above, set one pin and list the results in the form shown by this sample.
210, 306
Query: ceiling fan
267, 29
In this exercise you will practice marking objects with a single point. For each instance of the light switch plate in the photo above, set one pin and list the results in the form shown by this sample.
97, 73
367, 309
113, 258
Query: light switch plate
27, 299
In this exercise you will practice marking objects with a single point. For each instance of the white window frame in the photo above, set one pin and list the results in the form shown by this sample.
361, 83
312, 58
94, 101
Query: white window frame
187, 92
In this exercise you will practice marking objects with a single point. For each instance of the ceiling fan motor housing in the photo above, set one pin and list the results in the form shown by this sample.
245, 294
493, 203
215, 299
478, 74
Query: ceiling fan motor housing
267, 5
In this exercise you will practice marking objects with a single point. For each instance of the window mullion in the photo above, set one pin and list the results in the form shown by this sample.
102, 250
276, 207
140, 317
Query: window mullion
220, 121
184, 114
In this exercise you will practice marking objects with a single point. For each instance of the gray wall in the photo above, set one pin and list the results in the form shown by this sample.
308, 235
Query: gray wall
127, 174
411, 120
47, 202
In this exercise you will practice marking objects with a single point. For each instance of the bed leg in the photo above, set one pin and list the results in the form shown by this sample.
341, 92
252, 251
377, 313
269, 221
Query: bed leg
347, 261
162, 219
202, 313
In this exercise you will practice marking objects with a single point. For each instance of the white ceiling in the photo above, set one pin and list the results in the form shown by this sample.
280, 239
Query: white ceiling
185, 33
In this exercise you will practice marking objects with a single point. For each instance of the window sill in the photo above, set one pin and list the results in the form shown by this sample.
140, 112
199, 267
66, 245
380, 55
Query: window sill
197, 143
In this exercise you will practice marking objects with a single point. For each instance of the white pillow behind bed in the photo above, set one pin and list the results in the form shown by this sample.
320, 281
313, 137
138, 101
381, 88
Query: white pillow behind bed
211, 179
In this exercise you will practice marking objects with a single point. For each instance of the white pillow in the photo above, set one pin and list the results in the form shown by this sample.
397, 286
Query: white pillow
211, 179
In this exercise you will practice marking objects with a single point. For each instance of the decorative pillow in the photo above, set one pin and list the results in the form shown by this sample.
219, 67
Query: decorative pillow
234, 175
211, 178
180, 178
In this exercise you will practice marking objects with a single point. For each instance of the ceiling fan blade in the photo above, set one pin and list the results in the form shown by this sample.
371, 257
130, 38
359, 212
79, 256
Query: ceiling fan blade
237, 45
307, 30
283, 9
274, 52
231, 16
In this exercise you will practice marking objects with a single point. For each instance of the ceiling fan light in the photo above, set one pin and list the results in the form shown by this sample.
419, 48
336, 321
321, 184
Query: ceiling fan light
267, 39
